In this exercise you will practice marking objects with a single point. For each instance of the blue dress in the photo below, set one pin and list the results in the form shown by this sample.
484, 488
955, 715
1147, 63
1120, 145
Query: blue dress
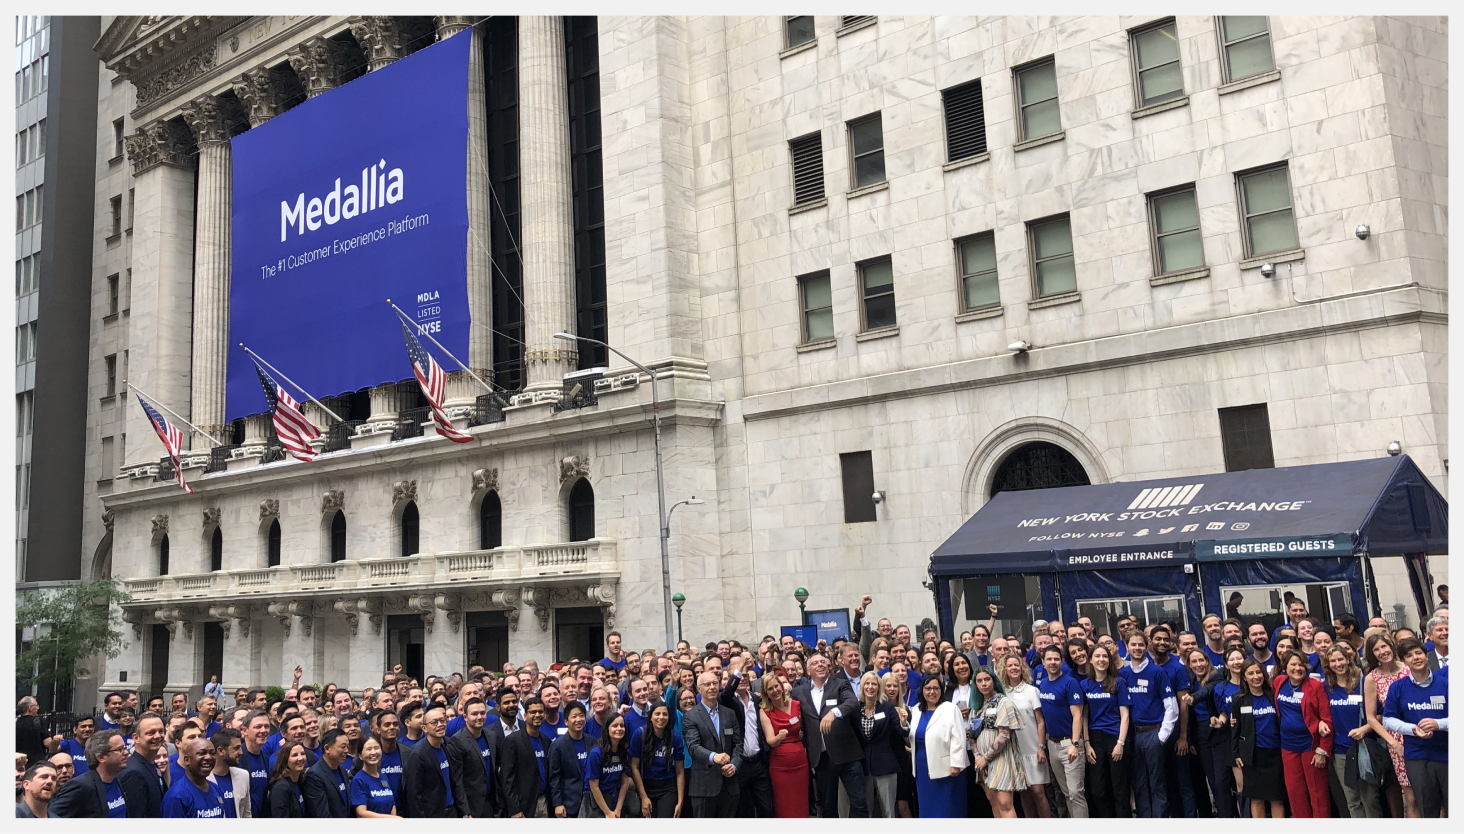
939, 798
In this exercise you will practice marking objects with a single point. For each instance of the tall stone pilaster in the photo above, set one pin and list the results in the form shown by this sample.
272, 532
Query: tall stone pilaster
185, 653
547, 211
210, 122
160, 331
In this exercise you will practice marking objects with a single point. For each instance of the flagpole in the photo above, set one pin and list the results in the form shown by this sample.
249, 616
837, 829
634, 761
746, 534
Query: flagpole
174, 413
423, 331
292, 382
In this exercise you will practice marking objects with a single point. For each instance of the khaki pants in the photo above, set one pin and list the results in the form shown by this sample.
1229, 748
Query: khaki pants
1069, 775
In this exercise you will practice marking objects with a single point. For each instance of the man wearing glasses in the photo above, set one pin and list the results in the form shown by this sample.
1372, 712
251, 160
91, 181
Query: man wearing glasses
426, 772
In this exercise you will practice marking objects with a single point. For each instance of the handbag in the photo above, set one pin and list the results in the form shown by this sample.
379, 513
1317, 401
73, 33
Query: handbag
1373, 760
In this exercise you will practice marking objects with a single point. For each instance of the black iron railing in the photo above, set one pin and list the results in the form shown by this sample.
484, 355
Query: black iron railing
339, 435
273, 450
486, 409
165, 470
218, 458
409, 423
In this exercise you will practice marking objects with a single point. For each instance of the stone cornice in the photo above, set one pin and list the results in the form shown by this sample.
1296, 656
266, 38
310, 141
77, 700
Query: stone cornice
209, 119
1360, 311
161, 53
159, 143
565, 427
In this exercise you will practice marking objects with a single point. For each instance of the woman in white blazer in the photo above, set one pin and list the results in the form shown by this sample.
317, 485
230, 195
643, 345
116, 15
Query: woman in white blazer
939, 733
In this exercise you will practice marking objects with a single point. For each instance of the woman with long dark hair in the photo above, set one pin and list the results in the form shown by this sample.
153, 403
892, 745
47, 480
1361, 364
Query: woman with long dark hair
1205, 739
1255, 742
657, 754
940, 752
1107, 717
285, 797
605, 772
1222, 696
370, 793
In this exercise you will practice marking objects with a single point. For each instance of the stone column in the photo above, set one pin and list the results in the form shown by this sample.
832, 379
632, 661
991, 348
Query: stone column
301, 644
381, 39
384, 404
241, 660
443, 638
366, 618
263, 92
462, 391
160, 329
185, 652
210, 121
547, 218
319, 62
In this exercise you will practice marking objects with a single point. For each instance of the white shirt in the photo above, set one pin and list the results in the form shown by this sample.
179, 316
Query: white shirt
750, 729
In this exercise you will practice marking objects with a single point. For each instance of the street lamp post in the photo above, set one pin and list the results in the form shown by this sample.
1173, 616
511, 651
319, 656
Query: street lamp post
678, 600
802, 596
663, 517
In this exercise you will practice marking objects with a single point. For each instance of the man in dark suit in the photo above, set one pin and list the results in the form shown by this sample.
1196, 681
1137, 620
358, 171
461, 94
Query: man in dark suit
829, 706
714, 740
471, 764
507, 724
425, 791
754, 786
1438, 632
567, 757
525, 766
325, 785
140, 776
86, 796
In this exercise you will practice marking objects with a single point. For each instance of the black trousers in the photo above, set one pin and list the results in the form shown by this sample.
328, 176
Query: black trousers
723, 804
828, 776
756, 789
662, 793
1107, 782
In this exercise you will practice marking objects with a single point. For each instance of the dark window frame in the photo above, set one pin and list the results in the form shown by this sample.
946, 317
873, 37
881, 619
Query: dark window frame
1034, 263
581, 505
855, 157
1048, 62
856, 474
1241, 429
338, 540
804, 309
1155, 235
490, 521
962, 275
500, 65
273, 545
411, 530
1134, 34
588, 189
163, 555
865, 297
1225, 72
960, 95
788, 31
1247, 246
216, 550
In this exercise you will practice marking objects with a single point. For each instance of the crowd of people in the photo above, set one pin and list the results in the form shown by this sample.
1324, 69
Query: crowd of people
1311, 718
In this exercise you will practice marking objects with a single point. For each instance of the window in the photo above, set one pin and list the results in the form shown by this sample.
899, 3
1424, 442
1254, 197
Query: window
877, 291
1174, 222
857, 469
119, 144
808, 173
127, 292
866, 144
163, 556
1245, 434
272, 545
818, 307
1051, 245
111, 362
1155, 51
1037, 101
1038, 465
977, 261
116, 203
490, 522
588, 188
965, 121
854, 19
1105, 613
216, 550
411, 529
109, 458
131, 205
25, 343
1265, 201
24, 413
799, 29
26, 278
581, 511
114, 296
338, 537
1245, 47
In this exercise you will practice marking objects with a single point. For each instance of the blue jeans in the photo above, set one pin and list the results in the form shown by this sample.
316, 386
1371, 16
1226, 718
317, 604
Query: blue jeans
828, 776
1150, 798
1181, 790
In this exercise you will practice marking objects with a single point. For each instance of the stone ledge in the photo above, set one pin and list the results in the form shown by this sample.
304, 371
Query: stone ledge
1247, 83
981, 314
1055, 300
1040, 141
867, 189
821, 344
1179, 277
111, 239
1274, 258
970, 160
816, 204
802, 47
1172, 104
116, 159
855, 27
878, 333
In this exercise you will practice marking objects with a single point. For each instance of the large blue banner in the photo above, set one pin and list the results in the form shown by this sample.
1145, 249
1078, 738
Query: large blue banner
351, 198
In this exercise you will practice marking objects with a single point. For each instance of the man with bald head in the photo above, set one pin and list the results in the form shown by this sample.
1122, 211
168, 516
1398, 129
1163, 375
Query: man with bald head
714, 743
194, 796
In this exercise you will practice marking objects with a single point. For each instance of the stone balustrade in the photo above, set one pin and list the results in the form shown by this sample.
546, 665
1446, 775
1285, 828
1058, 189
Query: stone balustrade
510, 565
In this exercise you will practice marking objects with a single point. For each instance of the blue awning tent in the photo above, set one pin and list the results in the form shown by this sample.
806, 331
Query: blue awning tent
1260, 526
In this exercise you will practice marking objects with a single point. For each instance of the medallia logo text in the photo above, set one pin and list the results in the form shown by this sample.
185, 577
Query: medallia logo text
379, 187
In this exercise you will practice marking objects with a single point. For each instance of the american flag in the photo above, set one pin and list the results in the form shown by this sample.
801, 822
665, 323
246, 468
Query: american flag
172, 439
433, 381
295, 432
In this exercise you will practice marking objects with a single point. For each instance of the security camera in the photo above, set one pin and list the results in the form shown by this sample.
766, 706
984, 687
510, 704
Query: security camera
1395, 448
1020, 346
927, 583
1268, 270
878, 497
1363, 231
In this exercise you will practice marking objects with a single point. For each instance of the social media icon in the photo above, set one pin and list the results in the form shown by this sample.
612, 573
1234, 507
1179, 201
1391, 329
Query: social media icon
1215, 525
1143, 532
1240, 525
1163, 530
1189, 528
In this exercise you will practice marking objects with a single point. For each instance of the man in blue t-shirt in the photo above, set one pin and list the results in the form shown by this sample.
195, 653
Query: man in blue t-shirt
384, 728
614, 658
76, 746
254, 760
194, 797
1153, 712
1062, 713
1418, 709
1180, 788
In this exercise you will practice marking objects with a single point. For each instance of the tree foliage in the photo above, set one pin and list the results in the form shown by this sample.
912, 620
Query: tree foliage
72, 623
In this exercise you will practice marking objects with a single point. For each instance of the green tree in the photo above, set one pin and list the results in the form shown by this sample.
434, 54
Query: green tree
73, 623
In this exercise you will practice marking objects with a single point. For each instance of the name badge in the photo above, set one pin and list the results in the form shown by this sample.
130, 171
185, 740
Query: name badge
1354, 699
727, 732
879, 716
832, 702
1247, 710
563, 730
793, 720
1437, 699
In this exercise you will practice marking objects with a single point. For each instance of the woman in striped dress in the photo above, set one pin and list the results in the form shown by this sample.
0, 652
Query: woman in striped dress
997, 767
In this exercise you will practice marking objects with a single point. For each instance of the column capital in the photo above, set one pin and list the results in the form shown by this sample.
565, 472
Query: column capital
159, 143
380, 37
320, 63
210, 119
450, 24
263, 92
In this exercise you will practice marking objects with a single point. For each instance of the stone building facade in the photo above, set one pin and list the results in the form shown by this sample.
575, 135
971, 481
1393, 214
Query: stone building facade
826, 235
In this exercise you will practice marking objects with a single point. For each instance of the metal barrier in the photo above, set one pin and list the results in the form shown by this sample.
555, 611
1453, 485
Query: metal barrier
338, 437
409, 423
486, 409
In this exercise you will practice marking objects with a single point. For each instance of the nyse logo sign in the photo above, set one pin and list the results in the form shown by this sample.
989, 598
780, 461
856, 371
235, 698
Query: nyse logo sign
1172, 496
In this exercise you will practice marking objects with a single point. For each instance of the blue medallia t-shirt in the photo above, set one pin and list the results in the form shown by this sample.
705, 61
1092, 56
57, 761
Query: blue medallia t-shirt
1147, 691
1411, 703
1201, 706
608, 770
185, 801
540, 745
391, 770
1346, 717
1216, 659
1058, 697
272, 744
617, 665
1103, 712
442, 768
457, 723
116, 802
106, 723
1268, 731
1295, 737
1179, 676
175, 771
77, 752
373, 792
664, 755
484, 754
226, 790
258, 767
1225, 692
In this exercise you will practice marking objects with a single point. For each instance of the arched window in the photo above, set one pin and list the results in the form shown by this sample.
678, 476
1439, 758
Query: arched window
490, 522
581, 511
1038, 465
338, 537
274, 543
411, 529
163, 556
216, 550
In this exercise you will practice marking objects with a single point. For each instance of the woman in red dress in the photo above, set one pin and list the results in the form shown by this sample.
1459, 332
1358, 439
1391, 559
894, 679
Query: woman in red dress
787, 760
